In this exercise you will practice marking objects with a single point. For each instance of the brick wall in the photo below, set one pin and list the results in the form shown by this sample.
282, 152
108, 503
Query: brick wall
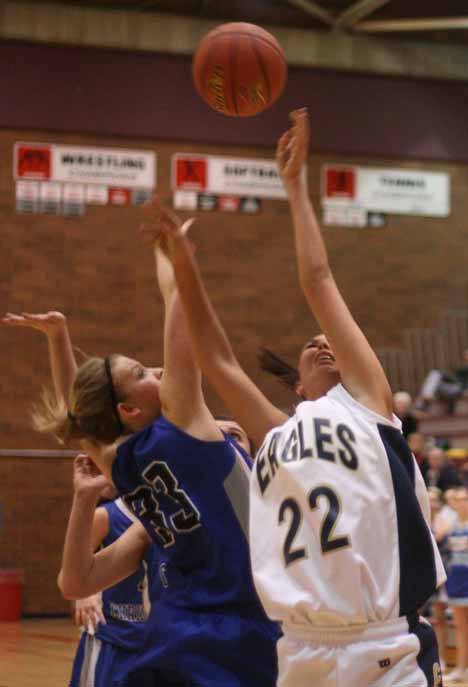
95, 270
35, 497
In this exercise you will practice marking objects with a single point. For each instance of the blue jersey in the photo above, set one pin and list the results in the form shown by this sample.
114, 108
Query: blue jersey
192, 497
122, 604
457, 578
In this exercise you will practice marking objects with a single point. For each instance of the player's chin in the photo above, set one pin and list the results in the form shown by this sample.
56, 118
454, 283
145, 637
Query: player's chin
329, 365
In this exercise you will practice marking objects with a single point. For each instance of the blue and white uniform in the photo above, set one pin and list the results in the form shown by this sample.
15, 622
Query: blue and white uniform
457, 578
342, 552
114, 646
192, 497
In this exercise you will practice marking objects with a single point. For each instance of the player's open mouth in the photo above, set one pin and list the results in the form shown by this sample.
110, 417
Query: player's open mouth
326, 358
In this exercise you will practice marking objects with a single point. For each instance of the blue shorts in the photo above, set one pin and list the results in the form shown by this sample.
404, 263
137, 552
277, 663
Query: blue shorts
211, 649
97, 663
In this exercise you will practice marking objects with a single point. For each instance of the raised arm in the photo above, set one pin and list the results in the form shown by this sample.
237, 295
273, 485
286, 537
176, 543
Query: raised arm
84, 572
182, 399
62, 359
360, 369
211, 346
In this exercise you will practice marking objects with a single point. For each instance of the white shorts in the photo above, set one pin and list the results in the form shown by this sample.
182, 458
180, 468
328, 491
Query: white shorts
391, 654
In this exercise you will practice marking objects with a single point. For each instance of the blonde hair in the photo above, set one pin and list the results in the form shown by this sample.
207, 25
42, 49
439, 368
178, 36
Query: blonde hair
90, 413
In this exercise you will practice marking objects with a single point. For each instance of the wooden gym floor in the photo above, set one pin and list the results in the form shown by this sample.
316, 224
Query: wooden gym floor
39, 653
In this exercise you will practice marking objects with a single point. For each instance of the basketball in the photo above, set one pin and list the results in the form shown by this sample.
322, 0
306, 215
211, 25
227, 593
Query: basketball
239, 69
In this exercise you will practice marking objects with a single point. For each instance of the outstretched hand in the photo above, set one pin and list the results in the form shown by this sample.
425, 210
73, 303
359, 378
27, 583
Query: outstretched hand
293, 147
48, 323
87, 478
163, 226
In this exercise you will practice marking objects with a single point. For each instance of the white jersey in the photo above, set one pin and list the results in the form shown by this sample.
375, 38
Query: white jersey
339, 516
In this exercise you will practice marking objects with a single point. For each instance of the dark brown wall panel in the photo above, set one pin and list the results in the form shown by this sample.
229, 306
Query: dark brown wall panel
57, 88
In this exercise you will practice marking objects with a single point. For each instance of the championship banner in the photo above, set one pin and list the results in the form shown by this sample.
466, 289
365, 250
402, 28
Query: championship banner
115, 167
392, 191
225, 176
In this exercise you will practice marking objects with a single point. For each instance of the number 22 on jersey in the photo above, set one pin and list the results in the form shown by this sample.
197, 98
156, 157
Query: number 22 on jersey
290, 513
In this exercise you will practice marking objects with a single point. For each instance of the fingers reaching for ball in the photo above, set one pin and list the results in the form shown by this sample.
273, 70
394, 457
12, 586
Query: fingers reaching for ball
293, 147
162, 225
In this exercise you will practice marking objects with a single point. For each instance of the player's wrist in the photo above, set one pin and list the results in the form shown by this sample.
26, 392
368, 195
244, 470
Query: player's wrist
57, 331
294, 185
86, 496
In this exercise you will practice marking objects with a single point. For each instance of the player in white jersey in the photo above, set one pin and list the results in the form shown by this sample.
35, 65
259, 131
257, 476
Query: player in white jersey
341, 548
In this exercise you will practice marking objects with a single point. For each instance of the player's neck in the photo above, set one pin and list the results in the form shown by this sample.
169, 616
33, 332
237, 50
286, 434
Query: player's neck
320, 386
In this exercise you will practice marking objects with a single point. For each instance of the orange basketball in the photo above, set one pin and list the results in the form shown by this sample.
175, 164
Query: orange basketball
239, 69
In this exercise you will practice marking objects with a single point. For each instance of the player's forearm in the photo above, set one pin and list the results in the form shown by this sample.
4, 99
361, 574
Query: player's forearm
165, 275
75, 579
62, 362
311, 253
211, 345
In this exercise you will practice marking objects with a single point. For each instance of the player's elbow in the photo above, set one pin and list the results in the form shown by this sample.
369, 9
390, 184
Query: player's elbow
69, 589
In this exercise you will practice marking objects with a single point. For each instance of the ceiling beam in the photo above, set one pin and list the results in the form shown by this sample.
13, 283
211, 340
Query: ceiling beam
76, 25
315, 10
358, 10
444, 24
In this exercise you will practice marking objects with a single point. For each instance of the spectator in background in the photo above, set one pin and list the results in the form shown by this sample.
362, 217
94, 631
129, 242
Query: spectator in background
440, 473
446, 386
461, 373
440, 525
417, 443
447, 514
463, 472
402, 403
457, 583
460, 458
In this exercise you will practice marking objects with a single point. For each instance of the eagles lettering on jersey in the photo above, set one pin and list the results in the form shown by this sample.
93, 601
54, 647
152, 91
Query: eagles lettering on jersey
333, 443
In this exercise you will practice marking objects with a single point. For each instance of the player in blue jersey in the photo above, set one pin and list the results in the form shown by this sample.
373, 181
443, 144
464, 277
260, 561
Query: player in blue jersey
110, 646
114, 622
188, 485
342, 552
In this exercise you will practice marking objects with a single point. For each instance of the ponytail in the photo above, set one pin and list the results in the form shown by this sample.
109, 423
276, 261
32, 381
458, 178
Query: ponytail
287, 375
92, 411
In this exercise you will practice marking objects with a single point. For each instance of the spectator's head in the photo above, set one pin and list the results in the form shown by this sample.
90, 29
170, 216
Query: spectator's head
401, 403
449, 497
460, 502
465, 356
436, 458
435, 500
417, 443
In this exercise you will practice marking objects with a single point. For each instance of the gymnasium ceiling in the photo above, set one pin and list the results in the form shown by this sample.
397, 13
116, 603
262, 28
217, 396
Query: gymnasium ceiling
439, 21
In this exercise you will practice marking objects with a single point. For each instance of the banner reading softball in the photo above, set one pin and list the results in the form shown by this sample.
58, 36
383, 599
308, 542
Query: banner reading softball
227, 175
